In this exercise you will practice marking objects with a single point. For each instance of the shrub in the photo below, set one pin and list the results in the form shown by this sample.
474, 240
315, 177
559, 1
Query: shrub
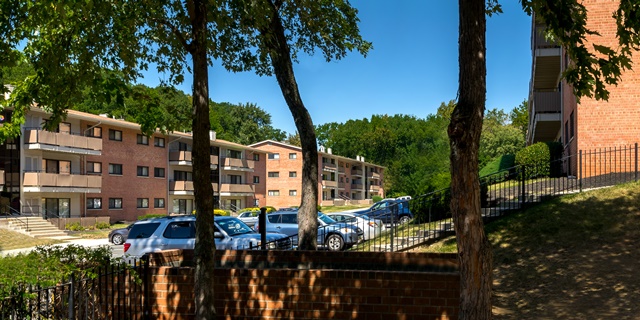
220, 212
376, 198
269, 209
76, 226
498, 164
537, 158
102, 225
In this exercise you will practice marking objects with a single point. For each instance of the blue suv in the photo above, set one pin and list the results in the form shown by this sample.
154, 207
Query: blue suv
333, 235
388, 210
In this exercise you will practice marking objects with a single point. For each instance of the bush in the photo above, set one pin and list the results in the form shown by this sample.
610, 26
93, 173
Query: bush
269, 209
537, 158
102, 225
76, 226
220, 212
376, 198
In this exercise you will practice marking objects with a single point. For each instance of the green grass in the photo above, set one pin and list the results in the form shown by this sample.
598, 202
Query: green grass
328, 209
577, 253
97, 233
14, 240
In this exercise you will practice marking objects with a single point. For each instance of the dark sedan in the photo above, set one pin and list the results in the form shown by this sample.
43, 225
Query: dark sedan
119, 236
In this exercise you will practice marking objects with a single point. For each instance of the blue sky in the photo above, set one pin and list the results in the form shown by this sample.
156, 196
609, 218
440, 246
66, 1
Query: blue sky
412, 68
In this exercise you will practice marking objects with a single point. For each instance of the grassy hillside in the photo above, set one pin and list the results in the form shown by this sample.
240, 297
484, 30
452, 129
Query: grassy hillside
574, 257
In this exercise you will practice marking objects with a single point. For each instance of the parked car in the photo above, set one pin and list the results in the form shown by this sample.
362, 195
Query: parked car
331, 234
119, 236
179, 232
370, 226
388, 210
249, 217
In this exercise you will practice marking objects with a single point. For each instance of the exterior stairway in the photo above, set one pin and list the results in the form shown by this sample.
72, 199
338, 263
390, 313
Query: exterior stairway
36, 227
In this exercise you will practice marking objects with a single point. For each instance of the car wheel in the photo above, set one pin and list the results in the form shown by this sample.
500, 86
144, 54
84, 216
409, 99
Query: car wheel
404, 219
335, 242
117, 239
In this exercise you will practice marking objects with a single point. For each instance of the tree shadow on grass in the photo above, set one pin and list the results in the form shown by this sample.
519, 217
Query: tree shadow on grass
575, 257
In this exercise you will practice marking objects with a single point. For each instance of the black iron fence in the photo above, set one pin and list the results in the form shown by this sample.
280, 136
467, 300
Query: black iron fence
502, 193
113, 292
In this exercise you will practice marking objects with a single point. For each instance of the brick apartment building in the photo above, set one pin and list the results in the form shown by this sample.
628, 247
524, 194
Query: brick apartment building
555, 115
98, 166
340, 179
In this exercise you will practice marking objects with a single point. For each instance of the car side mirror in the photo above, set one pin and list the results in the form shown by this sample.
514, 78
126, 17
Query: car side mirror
218, 235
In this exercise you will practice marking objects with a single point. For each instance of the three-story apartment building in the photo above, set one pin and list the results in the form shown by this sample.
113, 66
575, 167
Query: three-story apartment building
92, 165
339, 178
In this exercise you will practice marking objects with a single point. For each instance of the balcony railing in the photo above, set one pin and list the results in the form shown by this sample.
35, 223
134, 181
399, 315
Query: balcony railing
546, 102
237, 188
240, 164
356, 172
329, 183
341, 169
186, 156
341, 185
77, 143
374, 175
356, 186
373, 188
186, 186
2, 177
329, 166
46, 179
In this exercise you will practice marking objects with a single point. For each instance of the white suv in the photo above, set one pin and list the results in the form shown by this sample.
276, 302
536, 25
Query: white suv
179, 232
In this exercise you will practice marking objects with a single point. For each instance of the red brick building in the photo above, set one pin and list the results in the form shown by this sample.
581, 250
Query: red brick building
554, 112
340, 179
98, 166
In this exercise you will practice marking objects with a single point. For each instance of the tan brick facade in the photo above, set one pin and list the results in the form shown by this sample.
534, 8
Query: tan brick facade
340, 179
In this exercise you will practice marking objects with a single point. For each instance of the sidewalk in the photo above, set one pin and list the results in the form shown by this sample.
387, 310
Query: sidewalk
77, 241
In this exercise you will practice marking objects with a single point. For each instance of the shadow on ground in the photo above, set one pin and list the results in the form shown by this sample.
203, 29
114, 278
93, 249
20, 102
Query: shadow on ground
575, 257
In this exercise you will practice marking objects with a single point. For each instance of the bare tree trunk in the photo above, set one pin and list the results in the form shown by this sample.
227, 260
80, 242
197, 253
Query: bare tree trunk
275, 39
474, 250
203, 190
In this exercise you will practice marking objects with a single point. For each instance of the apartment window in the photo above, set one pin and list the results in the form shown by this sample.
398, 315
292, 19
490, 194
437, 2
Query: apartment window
182, 175
94, 167
142, 139
256, 179
158, 172
347, 165
95, 132
273, 156
142, 203
115, 168
94, 203
214, 150
293, 174
571, 125
235, 154
256, 157
347, 180
143, 171
235, 179
158, 142
158, 203
273, 193
293, 193
274, 174
293, 155
64, 127
115, 135
115, 203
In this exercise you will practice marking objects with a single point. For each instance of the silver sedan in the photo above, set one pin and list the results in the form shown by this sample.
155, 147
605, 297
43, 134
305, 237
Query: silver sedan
371, 227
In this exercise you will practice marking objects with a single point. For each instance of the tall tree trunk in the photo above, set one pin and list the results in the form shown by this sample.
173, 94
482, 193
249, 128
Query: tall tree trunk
474, 250
203, 190
275, 39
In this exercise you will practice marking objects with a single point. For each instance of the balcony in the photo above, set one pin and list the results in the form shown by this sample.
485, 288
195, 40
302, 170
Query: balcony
341, 185
546, 59
328, 166
237, 189
341, 170
38, 139
356, 186
2, 178
374, 188
374, 175
356, 172
238, 164
61, 182
185, 158
329, 184
544, 122
185, 187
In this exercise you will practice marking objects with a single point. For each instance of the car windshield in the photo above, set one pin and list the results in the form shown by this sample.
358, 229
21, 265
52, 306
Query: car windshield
234, 226
325, 219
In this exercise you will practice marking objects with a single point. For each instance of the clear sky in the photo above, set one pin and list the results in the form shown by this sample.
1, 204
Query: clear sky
412, 68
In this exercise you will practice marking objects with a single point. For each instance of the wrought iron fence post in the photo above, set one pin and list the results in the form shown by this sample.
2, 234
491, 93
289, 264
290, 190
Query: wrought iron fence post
146, 304
636, 162
71, 294
522, 186
392, 228
580, 170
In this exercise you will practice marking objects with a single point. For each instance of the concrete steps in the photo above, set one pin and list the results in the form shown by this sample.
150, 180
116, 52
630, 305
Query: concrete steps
36, 227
